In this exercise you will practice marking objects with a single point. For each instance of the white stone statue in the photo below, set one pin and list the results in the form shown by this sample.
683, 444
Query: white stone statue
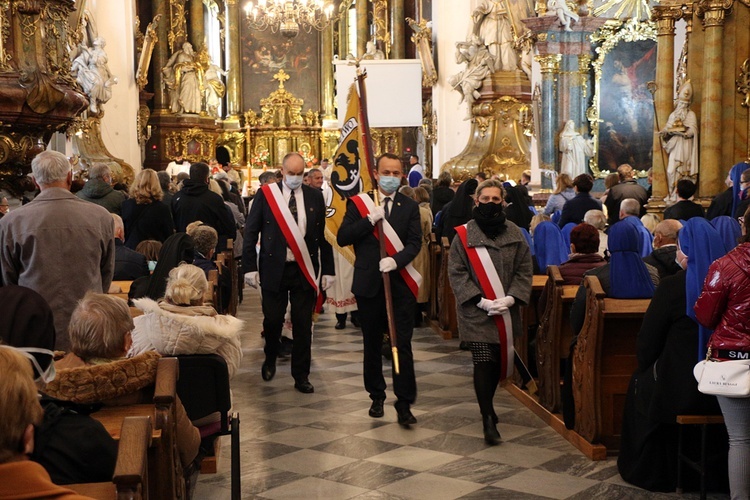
215, 89
183, 77
560, 9
494, 27
680, 139
574, 149
372, 52
478, 67
92, 74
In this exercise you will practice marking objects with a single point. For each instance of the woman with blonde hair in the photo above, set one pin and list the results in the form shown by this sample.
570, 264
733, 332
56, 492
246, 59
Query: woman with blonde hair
563, 192
144, 215
182, 324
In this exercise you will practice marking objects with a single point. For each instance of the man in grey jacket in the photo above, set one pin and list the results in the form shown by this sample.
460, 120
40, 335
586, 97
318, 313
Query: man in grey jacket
98, 189
57, 245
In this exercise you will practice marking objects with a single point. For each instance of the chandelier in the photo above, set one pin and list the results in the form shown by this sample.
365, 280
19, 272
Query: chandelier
288, 16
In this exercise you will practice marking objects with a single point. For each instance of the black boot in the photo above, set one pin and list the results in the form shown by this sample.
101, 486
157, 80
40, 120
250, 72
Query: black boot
491, 436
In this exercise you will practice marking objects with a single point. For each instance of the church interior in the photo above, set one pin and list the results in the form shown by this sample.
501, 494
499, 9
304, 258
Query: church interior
503, 88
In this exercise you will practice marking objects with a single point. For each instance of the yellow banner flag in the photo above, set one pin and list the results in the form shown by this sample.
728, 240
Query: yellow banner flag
349, 174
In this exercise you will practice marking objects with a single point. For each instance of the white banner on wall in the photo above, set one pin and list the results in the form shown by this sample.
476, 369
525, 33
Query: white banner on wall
394, 91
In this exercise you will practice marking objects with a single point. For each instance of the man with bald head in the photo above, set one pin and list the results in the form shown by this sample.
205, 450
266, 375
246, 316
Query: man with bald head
665, 248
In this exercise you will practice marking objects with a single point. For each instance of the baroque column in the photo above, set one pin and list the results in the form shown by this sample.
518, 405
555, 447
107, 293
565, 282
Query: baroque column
233, 63
161, 55
550, 65
326, 63
363, 27
665, 17
397, 16
196, 30
713, 14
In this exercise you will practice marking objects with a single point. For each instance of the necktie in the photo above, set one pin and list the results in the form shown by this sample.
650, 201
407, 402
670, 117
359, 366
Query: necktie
387, 207
293, 206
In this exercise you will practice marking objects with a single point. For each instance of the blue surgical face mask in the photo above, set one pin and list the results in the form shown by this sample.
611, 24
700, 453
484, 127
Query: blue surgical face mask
293, 181
389, 184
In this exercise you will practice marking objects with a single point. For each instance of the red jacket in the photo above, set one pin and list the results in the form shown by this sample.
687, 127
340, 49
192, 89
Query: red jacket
724, 304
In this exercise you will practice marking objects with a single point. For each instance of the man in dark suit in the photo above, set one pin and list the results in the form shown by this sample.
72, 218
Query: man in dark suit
684, 209
627, 188
129, 264
403, 215
196, 202
279, 272
575, 209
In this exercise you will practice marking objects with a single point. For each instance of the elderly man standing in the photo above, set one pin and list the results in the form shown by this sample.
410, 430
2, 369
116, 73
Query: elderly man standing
99, 189
57, 245
627, 188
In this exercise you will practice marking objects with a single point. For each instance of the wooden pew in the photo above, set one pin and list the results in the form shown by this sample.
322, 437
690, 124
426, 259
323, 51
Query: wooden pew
231, 263
130, 480
529, 317
212, 296
447, 321
435, 262
553, 338
604, 359
164, 460
120, 289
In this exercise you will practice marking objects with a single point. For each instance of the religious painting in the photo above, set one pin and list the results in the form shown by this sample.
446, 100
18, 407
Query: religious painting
622, 118
265, 53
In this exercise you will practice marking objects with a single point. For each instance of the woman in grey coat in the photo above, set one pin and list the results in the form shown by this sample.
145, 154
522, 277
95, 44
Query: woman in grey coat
511, 257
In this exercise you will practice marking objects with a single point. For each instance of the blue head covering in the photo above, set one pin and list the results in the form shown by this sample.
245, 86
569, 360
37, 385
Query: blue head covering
735, 174
629, 278
527, 235
702, 244
646, 239
567, 228
556, 216
549, 246
729, 230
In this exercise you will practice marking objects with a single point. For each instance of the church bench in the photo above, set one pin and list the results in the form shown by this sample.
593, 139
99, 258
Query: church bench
120, 289
231, 264
553, 338
164, 460
529, 317
604, 360
435, 263
130, 479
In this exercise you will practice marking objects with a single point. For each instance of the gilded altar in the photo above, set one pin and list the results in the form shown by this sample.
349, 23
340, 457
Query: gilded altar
282, 127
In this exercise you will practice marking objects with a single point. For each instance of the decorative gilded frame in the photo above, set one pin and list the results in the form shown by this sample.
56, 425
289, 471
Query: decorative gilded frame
144, 60
178, 142
609, 36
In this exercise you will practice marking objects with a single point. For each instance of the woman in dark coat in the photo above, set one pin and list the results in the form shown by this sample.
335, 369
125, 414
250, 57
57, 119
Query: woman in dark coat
458, 211
517, 209
144, 215
442, 193
510, 255
663, 385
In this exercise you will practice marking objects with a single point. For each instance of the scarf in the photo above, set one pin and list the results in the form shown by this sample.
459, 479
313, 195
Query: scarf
491, 226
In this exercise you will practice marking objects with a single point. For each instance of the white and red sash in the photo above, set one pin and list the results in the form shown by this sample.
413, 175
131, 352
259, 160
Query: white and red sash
393, 243
492, 289
291, 231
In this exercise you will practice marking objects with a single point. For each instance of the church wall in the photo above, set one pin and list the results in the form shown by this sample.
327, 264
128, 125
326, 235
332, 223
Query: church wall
115, 21
451, 23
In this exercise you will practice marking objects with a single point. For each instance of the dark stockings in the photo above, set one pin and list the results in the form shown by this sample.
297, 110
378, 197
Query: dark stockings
486, 379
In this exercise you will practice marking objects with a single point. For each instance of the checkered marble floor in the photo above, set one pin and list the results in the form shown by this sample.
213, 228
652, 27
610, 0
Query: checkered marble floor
324, 445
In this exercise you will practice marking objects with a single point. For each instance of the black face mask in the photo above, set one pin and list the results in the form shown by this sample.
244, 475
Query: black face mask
490, 210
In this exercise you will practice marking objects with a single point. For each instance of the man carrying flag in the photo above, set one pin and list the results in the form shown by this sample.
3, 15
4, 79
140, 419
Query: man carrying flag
290, 218
403, 234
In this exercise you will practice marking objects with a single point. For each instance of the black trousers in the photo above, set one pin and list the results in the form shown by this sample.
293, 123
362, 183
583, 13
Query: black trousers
293, 288
374, 321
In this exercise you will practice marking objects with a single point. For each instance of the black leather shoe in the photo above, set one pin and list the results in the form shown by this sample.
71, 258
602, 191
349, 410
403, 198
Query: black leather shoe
355, 320
376, 408
491, 436
268, 370
340, 325
405, 417
304, 386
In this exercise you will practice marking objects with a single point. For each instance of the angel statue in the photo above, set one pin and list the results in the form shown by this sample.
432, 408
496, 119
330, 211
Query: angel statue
214, 86
478, 67
680, 136
560, 9
92, 73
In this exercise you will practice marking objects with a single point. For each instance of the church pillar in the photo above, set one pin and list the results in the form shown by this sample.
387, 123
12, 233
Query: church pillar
550, 66
665, 17
326, 63
197, 33
363, 27
160, 55
710, 177
233, 62
343, 31
397, 29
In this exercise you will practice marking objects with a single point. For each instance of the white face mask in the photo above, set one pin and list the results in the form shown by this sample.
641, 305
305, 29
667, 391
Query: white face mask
45, 376
293, 181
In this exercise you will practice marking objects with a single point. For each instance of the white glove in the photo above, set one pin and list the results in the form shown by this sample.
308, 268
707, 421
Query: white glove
485, 304
387, 264
327, 282
252, 279
376, 214
501, 305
